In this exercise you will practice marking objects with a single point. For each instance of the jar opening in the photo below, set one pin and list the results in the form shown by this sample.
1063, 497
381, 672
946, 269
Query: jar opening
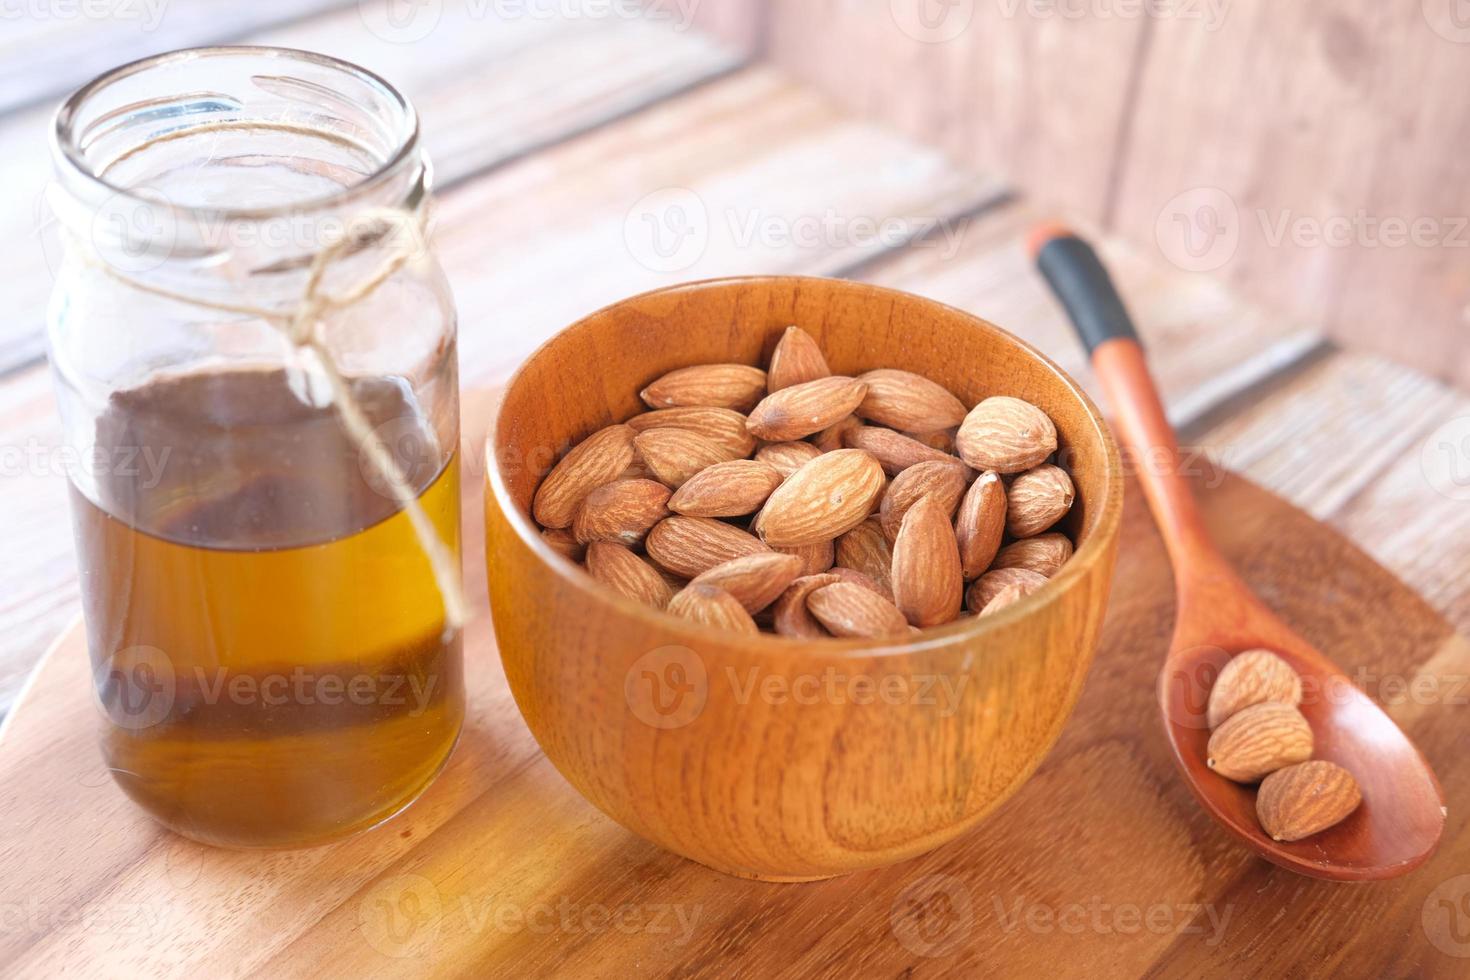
237, 133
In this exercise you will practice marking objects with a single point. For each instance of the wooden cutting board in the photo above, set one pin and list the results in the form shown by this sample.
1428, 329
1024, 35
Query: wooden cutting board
1101, 864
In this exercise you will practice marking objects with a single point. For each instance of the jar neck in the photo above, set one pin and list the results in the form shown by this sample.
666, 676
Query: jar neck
202, 171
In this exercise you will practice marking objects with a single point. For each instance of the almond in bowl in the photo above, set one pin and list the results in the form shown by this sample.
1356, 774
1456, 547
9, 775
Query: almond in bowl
779, 481
786, 676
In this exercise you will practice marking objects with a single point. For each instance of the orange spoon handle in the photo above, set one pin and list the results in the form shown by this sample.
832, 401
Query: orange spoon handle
1097, 312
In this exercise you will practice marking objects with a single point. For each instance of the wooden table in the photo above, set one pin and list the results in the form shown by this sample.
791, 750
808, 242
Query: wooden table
554, 140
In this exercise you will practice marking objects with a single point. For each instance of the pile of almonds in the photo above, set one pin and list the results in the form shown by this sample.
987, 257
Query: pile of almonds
1258, 735
813, 504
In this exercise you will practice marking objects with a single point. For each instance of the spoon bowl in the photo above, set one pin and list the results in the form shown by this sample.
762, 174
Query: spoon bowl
1400, 821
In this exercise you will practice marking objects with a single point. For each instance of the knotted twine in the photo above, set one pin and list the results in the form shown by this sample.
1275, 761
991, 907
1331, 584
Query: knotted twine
407, 233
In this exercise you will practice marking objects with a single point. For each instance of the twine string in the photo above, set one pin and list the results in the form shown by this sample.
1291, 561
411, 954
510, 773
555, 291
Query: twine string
407, 233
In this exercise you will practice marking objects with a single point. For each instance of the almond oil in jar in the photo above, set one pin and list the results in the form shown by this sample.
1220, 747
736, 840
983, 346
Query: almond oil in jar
269, 643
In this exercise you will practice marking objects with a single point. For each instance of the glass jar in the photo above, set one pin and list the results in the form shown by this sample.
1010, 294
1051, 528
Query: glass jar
273, 628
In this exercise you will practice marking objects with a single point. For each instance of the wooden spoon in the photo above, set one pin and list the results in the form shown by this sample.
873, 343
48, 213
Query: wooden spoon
1402, 815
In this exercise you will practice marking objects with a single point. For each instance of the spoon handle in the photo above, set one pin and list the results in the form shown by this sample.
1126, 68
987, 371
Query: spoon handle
1079, 279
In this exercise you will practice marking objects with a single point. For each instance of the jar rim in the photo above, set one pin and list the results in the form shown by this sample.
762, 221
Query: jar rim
404, 150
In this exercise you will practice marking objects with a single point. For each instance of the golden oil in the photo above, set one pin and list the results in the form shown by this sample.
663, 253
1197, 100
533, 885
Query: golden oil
268, 641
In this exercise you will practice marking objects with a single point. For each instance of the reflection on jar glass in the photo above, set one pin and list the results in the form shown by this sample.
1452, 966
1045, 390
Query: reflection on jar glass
274, 644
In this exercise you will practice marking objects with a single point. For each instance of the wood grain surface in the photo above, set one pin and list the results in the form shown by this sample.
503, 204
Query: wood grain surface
1102, 862
1287, 150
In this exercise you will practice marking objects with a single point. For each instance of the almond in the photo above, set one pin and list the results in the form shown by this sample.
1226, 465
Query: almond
594, 461
788, 457
792, 617
989, 585
825, 498
688, 546
981, 524
833, 438
927, 584
1252, 677
867, 549
729, 489
846, 609
1258, 740
564, 543
618, 568
908, 402
943, 480
755, 580
896, 452
1005, 434
621, 511
675, 455
1037, 499
814, 557
720, 426
1008, 596
864, 579
1302, 800
734, 386
804, 409
713, 607
1044, 554
796, 359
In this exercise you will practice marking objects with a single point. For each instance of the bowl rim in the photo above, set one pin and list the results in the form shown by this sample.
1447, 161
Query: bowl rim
966, 627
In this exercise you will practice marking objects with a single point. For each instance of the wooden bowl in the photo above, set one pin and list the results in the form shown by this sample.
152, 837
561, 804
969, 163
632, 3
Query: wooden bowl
770, 757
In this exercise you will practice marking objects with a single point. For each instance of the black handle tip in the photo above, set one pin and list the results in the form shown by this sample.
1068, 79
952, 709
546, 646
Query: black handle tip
1079, 279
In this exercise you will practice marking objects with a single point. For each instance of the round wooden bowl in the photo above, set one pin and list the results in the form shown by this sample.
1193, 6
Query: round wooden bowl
765, 756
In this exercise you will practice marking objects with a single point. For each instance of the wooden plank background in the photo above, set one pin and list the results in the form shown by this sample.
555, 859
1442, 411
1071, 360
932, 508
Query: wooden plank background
1312, 153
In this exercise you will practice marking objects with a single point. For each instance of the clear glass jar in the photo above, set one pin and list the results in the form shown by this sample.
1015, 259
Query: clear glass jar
273, 653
